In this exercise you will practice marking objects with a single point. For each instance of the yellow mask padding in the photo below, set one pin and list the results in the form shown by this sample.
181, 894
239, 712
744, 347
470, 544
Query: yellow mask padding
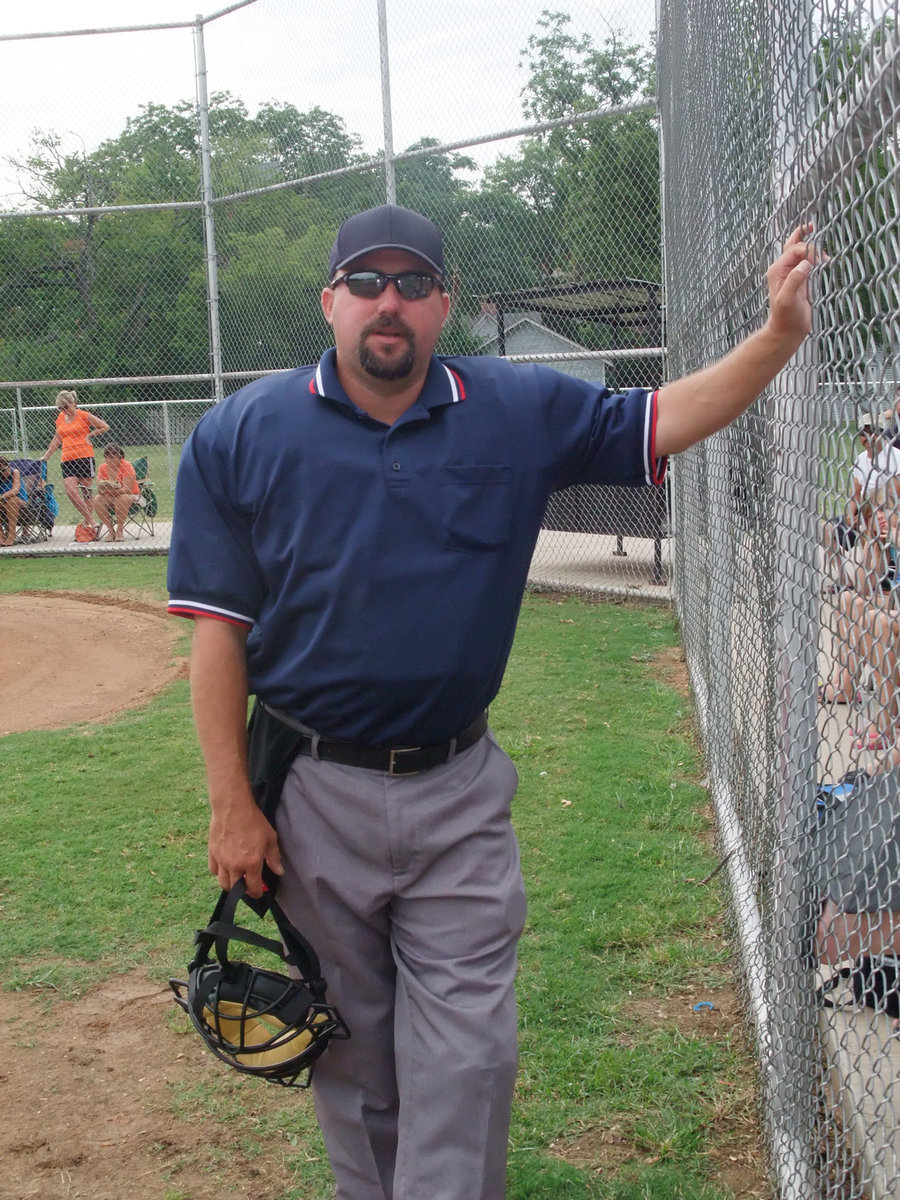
233, 1020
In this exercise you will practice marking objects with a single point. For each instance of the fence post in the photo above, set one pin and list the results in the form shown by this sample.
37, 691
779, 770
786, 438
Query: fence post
167, 434
794, 1100
206, 199
390, 182
23, 432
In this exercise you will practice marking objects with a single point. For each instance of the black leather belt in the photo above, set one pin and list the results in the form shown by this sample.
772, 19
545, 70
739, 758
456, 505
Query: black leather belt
403, 760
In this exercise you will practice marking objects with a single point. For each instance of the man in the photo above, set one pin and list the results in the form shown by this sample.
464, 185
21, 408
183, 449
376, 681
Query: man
353, 540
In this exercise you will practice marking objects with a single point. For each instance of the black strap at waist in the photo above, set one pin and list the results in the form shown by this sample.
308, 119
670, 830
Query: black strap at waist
402, 760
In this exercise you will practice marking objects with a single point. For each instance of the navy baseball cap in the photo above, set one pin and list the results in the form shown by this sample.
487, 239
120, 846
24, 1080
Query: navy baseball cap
388, 227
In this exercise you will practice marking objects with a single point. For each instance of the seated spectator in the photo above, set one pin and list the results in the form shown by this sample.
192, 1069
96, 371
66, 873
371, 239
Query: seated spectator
117, 490
857, 857
13, 496
866, 642
875, 479
867, 634
840, 533
868, 637
862, 551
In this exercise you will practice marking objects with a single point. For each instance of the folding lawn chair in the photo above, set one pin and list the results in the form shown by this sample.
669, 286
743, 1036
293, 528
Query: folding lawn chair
143, 510
38, 515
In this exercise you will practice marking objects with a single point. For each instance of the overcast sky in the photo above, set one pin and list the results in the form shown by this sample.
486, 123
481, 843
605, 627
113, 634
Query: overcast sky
455, 70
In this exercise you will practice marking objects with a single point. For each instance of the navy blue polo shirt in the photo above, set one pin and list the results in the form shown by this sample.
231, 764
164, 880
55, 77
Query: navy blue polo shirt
380, 569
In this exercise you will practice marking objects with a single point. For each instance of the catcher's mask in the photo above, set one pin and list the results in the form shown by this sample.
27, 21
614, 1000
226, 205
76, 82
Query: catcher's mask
258, 1021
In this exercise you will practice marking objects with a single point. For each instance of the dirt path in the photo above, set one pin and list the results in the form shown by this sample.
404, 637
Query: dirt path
90, 1099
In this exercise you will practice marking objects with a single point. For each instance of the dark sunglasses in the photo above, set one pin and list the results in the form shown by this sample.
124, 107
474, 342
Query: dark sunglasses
412, 285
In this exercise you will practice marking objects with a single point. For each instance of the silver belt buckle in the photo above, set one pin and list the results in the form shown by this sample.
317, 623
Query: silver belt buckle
392, 761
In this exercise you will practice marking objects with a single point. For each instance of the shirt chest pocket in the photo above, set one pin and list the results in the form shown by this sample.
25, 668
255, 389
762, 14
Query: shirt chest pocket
476, 507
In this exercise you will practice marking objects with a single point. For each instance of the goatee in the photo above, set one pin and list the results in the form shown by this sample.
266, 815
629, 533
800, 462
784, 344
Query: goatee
382, 368
379, 369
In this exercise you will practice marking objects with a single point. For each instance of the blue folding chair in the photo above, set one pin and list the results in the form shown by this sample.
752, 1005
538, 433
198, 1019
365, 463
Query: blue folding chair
38, 515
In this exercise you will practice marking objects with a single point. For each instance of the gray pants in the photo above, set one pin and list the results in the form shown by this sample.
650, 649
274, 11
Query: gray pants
410, 890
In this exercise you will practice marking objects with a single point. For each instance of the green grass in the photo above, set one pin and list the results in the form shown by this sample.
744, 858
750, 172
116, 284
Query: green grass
103, 868
608, 815
142, 576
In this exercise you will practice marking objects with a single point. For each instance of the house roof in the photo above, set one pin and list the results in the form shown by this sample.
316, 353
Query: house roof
629, 303
520, 323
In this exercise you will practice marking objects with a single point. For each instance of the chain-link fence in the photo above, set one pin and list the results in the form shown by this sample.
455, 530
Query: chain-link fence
164, 240
786, 536
166, 233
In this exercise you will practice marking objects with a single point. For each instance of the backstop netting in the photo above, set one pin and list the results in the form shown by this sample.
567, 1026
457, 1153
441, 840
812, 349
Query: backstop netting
167, 223
786, 536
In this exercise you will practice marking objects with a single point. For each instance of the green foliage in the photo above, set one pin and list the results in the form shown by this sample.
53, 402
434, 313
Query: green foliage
307, 143
113, 294
429, 184
100, 295
582, 178
568, 74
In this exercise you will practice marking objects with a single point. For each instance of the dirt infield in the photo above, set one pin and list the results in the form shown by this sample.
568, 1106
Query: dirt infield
80, 657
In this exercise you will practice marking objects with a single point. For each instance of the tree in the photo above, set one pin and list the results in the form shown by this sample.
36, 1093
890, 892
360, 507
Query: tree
592, 187
125, 293
307, 143
104, 294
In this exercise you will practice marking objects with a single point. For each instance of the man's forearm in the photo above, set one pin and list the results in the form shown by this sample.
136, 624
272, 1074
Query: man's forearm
241, 840
692, 408
219, 698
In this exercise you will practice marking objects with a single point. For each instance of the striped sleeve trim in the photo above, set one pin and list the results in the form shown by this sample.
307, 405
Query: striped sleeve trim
192, 608
654, 467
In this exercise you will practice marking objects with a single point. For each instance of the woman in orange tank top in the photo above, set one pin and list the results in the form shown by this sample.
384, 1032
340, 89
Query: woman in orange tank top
74, 429
117, 490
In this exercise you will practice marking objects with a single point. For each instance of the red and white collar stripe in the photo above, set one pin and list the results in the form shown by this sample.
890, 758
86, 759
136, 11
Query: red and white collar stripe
457, 389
